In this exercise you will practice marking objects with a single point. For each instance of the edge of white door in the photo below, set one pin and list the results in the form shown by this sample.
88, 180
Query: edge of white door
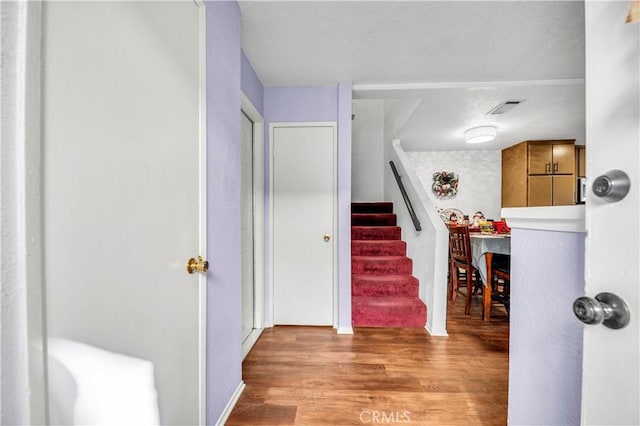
258, 223
270, 289
202, 219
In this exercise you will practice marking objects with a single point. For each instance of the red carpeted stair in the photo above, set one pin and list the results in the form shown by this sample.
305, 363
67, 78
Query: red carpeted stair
384, 293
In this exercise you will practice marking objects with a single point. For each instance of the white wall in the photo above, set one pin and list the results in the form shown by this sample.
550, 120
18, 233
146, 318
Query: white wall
428, 248
480, 175
367, 159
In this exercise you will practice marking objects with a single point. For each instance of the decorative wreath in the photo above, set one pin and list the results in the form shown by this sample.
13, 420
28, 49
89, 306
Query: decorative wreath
445, 184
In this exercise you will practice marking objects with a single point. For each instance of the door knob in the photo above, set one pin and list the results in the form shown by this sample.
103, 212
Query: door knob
612, 186
607, 309
327, 237
199, 265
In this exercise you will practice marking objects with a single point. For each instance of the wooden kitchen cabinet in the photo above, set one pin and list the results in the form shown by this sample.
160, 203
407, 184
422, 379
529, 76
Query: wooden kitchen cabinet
540, 191
564, 190
551, 190
553, 157
539, 173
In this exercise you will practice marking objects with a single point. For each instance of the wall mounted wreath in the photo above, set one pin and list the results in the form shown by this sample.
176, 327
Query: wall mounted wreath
445, 184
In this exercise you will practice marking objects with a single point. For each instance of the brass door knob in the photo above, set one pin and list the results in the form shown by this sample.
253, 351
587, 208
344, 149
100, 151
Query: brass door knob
199, 265
327, 237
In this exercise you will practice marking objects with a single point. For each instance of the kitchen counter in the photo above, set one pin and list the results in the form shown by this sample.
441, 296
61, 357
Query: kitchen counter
556, 218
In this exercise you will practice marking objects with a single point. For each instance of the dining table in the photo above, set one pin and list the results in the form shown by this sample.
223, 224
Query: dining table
483, 247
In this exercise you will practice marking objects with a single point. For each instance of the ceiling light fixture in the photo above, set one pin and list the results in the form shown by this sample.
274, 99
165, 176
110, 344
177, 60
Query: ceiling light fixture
480, 134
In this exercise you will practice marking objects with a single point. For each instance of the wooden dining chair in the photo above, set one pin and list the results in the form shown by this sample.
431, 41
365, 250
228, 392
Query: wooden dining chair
460, 260
501, 277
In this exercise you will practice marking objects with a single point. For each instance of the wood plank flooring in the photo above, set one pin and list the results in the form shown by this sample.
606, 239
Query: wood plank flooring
312, 376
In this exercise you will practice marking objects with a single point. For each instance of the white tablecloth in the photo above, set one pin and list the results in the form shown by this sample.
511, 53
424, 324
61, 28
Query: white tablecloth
481, 244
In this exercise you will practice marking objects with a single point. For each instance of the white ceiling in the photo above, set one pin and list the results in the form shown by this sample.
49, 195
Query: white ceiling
452, 60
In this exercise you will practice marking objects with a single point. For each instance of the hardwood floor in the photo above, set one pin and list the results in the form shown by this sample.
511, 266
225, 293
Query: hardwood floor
312, 376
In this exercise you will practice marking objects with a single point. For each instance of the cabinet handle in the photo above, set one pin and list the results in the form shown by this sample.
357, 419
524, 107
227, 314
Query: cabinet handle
547, 167
556, 167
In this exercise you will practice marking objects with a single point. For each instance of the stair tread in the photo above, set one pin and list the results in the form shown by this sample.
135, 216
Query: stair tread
387, 278
388, 302
373, 227
374, 214
374, 258
371, 242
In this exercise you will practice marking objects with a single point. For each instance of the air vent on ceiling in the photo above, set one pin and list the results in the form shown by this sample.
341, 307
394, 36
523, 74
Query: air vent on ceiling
505, 106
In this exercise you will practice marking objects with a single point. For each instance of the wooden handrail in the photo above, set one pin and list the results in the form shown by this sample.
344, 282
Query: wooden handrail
407, 201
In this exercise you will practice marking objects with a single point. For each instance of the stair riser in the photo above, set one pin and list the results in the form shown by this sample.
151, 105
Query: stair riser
381, 317
378, 248
381, 207
407, 289
376, 233
400, 266
388, 219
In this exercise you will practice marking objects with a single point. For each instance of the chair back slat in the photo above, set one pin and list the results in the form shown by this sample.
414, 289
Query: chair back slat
460, 244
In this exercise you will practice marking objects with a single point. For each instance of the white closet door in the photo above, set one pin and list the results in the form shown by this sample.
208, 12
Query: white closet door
303, 223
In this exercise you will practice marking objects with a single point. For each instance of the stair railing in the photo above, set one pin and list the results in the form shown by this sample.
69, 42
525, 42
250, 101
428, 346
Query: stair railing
405, 197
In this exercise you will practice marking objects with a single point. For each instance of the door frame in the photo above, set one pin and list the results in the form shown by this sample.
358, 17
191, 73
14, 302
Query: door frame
32, 217
254, 115
334, 222
202, 213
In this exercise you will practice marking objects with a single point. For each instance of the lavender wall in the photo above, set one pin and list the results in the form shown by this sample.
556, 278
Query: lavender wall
545, 351
251, 84
318, 104
299, 104
224, 348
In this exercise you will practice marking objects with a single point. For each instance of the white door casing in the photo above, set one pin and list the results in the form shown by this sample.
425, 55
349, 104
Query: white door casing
611, 360
303, 188
247, 226
124, 187
258, 222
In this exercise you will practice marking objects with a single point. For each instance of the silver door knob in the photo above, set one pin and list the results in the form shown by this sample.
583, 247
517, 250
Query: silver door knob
612, 186
606, 309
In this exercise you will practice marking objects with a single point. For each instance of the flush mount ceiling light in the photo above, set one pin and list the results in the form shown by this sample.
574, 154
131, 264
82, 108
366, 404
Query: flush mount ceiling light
480, 134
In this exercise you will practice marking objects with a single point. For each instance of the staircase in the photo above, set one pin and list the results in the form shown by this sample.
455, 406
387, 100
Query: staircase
383, 291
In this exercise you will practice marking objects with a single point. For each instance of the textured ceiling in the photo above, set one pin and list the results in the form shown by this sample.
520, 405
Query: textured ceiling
464, 58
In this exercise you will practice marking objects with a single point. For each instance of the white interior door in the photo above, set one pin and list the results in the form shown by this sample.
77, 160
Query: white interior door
303, 223
122, 142
611, 369
247, 227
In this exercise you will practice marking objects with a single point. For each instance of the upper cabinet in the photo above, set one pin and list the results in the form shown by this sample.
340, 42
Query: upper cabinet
539, 173
551, 157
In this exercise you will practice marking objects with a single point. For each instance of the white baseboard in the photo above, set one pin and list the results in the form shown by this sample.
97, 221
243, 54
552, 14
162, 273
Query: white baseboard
231, 404
439, 333
250, 341
345, 330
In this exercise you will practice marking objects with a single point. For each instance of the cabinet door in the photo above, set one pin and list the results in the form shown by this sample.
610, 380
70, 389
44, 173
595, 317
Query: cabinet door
564, 159
564, 189
540, 191
514, 176
540, 159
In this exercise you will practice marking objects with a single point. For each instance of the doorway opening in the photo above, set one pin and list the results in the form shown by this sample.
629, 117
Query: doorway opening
252, 220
